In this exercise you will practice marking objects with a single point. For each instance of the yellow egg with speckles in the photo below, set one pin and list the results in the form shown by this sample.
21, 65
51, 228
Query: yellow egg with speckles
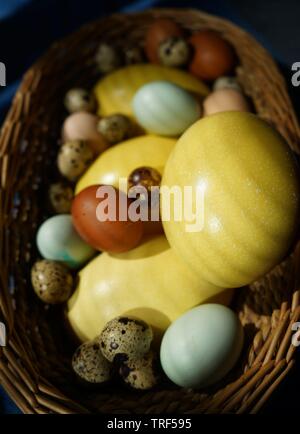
248, 188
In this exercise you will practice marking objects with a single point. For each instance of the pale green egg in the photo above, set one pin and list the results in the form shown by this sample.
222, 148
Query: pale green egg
163, 108
58, 241
201, 346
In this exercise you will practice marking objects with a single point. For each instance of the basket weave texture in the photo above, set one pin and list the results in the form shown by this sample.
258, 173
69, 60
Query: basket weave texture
35, 364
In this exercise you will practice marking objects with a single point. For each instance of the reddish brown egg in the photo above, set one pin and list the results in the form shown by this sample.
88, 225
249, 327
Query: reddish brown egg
213, 56
97, 215
159, 31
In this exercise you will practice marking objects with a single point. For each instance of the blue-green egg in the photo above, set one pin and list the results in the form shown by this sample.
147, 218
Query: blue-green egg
163, 108
57, 240
201, 346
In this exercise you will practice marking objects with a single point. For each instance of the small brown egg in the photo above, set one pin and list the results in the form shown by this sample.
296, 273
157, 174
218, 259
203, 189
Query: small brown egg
115, 128
174, 52
101, 217
83, 126
160, 30
107, 58
213, 56
51, 281
125, 337
74, 158
61, 196
78, 99
142, 374
90, 365
223, 100
134, 55
145, 177
227, 83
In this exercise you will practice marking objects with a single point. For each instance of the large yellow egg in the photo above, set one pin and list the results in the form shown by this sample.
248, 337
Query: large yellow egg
246, 178
120, 160
115, 91
149, 282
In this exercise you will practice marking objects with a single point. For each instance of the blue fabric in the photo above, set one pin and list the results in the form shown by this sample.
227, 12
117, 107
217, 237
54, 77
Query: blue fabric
28, 27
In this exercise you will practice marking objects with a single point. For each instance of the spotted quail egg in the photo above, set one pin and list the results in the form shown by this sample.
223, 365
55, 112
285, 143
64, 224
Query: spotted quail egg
74, 158
126, 337
78, 99
61, 196
107, 58
115, 128
227, 82
51, 281
90, 365
174, 52
133, 55
140, 373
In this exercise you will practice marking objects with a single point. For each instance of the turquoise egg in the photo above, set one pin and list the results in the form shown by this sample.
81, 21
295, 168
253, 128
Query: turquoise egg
58, 241
163, 108
201, 346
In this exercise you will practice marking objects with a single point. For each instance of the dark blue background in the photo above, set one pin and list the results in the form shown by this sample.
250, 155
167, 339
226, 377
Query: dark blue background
28, 27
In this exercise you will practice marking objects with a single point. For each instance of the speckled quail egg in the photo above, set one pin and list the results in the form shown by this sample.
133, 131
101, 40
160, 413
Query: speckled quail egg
51, 281
140, 373
61, 196
115, 128
74, 158
174, 52
133, 55
126, 337
107, 58
79, 99
90, 365
227, 82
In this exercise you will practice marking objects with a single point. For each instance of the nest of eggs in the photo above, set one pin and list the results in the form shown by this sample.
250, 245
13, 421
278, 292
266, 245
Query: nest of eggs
35, 366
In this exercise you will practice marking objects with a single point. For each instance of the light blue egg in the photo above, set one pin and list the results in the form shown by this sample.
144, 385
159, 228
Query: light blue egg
163, 108
58, 241
201, 346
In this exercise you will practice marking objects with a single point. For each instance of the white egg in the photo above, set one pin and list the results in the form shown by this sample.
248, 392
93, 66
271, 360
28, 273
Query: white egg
163, 108
201, 346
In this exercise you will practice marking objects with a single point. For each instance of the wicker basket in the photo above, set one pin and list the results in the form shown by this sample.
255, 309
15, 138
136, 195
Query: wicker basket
35, 365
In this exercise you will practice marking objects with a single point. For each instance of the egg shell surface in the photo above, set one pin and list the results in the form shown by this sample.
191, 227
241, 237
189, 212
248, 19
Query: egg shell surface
201, 346
58, 240
162, 107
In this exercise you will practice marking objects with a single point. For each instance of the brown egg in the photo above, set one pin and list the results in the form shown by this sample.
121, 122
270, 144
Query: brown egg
101, 226
213, 56
83, 126
224, 100
159, 31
